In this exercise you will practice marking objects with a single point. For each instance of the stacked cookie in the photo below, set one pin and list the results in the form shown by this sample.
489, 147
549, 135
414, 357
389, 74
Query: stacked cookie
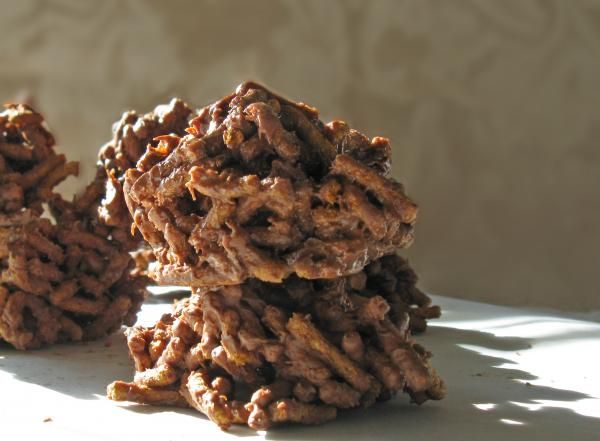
286, 230
133, 134
64, 274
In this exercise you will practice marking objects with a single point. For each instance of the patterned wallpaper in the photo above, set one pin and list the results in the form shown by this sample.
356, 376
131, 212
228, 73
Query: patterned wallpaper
493, 109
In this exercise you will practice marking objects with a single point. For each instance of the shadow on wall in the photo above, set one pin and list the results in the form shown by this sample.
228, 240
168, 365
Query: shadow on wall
489, 397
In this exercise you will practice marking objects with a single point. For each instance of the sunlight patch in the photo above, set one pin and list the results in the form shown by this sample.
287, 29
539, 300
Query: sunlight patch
511, 422
589, 407
485, 406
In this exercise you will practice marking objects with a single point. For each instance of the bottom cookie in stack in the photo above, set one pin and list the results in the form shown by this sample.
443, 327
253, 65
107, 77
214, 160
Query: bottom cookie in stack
64, 282
262, 354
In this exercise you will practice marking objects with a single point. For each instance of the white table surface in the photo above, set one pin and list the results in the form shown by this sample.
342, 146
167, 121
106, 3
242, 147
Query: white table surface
512, 374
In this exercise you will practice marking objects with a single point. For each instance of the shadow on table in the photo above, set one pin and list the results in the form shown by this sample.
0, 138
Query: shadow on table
81, 370
484, 401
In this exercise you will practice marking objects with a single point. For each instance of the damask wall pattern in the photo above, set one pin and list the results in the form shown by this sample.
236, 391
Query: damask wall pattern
493, 109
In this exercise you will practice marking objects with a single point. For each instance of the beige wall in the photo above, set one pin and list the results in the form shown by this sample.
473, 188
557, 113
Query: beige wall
493, 108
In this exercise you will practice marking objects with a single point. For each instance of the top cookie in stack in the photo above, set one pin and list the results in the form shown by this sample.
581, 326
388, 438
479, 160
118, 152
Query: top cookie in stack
262, 188
30, 168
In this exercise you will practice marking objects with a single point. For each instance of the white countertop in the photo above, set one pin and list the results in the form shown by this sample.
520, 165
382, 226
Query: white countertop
512, 374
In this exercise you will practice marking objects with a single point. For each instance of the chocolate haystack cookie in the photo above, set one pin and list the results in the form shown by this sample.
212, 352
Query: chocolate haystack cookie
29, 166
263, 354
133, 134
285, 228
64, 274
261, 188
